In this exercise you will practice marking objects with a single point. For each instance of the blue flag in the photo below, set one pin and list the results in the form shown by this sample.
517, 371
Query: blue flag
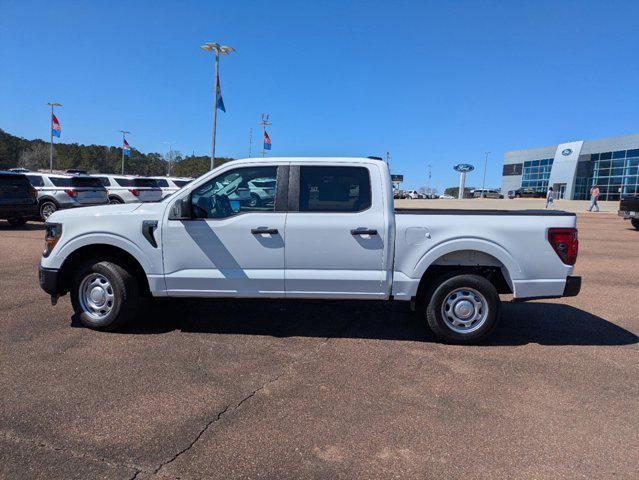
219, 102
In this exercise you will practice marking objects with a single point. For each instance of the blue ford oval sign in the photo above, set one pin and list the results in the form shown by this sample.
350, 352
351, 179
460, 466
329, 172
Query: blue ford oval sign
464, 167
566, 152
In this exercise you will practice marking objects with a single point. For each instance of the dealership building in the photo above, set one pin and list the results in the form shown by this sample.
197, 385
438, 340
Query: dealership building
573, 168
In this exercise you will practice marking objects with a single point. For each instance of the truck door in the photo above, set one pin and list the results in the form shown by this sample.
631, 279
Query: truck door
336, 232
233, 245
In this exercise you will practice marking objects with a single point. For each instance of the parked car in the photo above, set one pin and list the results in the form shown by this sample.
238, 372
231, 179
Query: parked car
487, 193
332, 233
629, 209
170, 185
413, 194
131, 189
18, 199
526, 193
445, 196
57, 191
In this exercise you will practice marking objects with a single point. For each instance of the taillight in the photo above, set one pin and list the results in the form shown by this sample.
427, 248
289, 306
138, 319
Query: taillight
565, 243
71, 193
134, 191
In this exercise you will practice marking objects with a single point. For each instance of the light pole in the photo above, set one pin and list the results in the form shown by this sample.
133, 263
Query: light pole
124, 132
170, 162
483, 182
52, 104
219, 50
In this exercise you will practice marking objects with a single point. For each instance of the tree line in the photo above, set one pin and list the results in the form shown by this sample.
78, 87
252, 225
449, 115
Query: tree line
34, 155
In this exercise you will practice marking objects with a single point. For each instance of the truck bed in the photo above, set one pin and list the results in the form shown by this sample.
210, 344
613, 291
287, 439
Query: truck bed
459, 211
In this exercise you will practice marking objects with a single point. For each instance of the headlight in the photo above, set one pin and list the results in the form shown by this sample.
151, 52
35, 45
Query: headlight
53, 232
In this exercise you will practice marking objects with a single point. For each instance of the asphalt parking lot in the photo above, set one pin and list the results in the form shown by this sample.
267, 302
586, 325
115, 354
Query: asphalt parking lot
246, 389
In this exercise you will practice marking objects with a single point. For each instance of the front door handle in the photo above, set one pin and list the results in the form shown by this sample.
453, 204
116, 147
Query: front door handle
363, 231
263, 230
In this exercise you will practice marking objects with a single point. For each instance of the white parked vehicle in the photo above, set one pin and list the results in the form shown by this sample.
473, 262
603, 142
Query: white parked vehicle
58, 191
413, 194
131, 189
170, 185
445, 196
331, 232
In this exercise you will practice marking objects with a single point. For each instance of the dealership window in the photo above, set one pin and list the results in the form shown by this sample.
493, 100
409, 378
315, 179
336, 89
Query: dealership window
536, 174
616, 173
512, 169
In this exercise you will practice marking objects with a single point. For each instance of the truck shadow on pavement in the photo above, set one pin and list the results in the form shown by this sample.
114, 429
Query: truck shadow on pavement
521, 323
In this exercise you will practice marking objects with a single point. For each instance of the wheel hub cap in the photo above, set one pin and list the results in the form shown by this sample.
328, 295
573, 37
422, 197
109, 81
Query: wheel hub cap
96, 296
464, 310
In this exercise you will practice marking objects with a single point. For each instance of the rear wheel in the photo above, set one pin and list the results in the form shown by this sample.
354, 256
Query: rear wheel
254, 201
115, 201
104, 295
635, 222
463, 308
47, 208
16, 222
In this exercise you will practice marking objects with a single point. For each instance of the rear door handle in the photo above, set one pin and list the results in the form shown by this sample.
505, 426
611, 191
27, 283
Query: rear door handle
363, 231
263, 230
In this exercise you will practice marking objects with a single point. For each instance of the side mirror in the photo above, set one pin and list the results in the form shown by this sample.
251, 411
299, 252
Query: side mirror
181, 209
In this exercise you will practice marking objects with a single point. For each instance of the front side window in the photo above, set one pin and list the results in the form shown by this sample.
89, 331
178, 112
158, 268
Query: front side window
334, 189
242, 190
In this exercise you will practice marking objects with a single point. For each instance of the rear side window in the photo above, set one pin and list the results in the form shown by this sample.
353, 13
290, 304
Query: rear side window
36, 180
162, 183
61, 181
104, 181
181, 183
334, 189
123, 182
90, 182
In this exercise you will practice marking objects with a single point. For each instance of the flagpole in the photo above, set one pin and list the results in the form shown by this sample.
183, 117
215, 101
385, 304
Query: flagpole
124, 132
52, 104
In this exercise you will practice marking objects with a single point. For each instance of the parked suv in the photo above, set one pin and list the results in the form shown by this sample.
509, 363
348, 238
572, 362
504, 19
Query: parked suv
56, 191
487, 193
131, 189
18, 199
170, 185
526, 193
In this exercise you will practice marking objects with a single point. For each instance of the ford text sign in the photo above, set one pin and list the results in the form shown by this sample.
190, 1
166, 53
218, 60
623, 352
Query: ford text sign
464, 167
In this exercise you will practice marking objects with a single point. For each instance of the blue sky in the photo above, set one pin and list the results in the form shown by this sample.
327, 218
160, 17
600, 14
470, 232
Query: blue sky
432, 82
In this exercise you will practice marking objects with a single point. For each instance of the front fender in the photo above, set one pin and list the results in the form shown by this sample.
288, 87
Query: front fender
102, 238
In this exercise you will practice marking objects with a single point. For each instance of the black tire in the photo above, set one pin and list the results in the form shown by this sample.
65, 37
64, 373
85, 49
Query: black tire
47, 208
115, 201
123, 287
16, 221
635, 222
255, 200
441, 291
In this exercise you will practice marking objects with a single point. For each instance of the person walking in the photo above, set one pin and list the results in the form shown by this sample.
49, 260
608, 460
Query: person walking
550, 197
594, 196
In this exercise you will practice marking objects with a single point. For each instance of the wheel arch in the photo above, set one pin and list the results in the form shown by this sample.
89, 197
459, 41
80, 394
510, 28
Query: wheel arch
107, 252
475, 256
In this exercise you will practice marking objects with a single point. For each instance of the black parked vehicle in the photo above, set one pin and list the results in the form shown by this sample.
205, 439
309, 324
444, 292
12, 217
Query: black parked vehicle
629, 209
526, 193
18, 199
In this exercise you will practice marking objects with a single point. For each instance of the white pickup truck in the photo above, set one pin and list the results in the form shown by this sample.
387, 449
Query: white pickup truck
330, 231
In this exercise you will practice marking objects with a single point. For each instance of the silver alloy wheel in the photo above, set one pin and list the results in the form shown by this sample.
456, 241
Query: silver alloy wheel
464, 310
47, 210
96, 296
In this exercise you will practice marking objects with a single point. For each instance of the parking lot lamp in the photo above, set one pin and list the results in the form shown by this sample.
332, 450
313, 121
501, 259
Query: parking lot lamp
219, 50
483, 182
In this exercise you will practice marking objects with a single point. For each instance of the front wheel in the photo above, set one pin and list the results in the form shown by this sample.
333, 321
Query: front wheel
463, 308
635, 222
115, 201
104, 295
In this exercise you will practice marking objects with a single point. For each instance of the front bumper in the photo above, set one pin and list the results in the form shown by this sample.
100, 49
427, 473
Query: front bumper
628, 214
50, 281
